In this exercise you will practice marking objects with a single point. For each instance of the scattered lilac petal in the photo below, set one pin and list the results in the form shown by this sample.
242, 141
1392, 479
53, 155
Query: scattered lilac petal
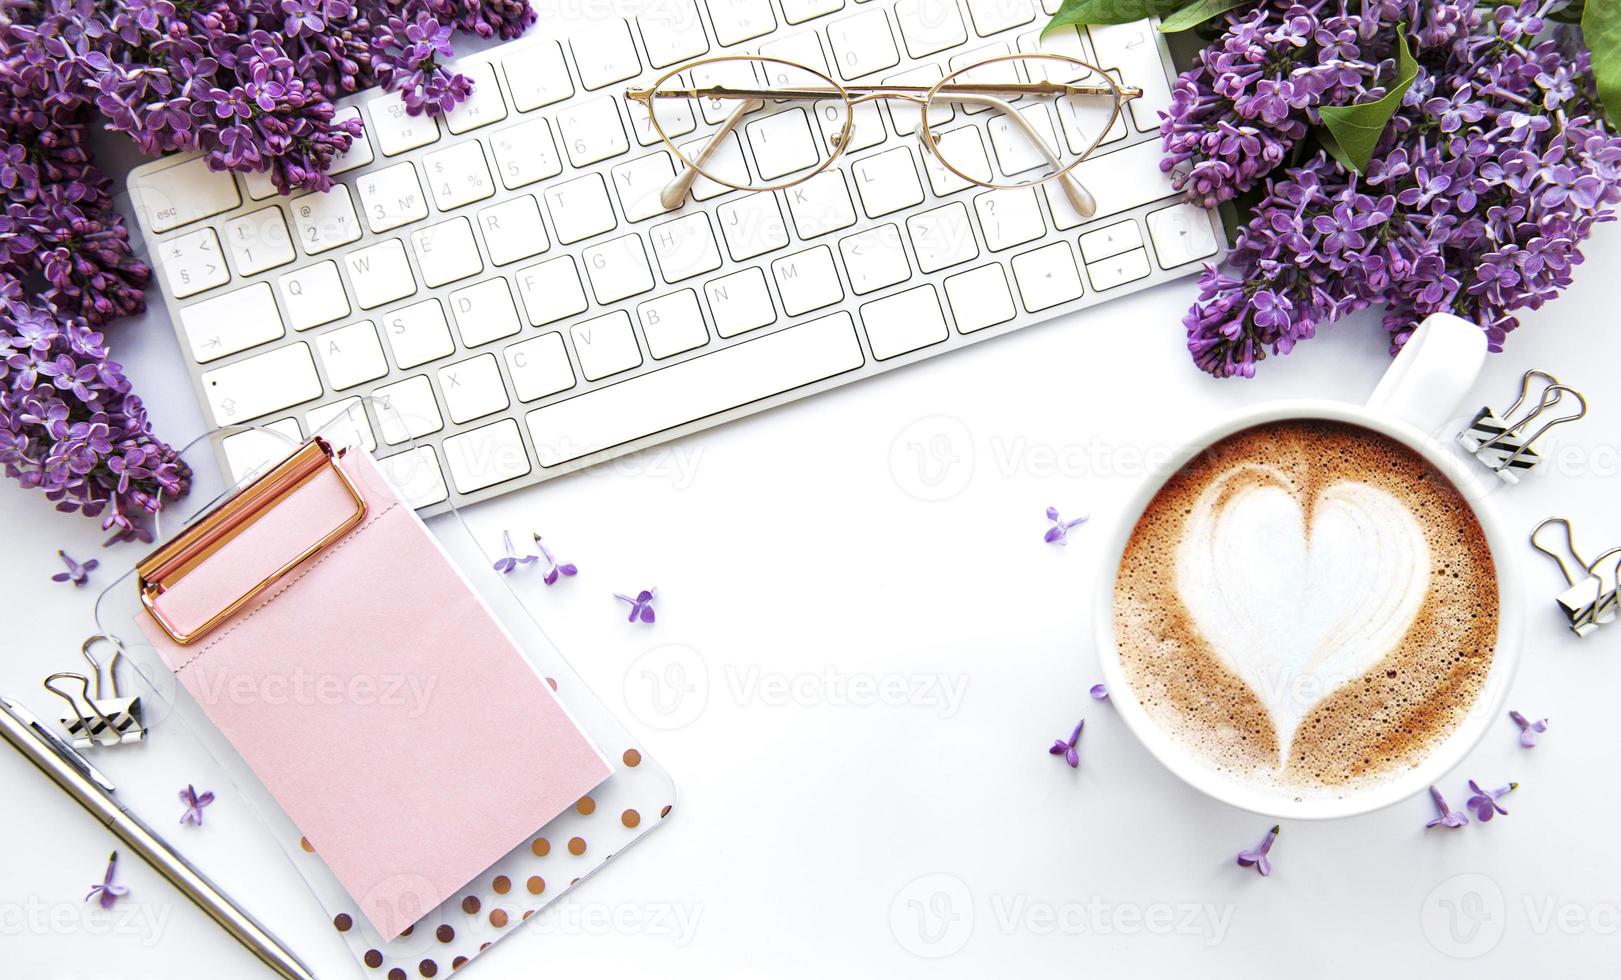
107, 894
1529, 730
1099, 692
194, 804
77, 574
641, 607
554, 568
1257, 857
511, 561
1059, 532
1484, 803
1446, 816
1066, 747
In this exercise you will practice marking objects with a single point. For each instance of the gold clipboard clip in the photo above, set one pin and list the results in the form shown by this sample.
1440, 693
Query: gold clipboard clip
171, 563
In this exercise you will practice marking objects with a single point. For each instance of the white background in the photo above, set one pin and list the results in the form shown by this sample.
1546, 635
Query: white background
890, 534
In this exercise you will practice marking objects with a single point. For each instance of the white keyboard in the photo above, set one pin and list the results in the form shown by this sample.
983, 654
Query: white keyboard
506, 282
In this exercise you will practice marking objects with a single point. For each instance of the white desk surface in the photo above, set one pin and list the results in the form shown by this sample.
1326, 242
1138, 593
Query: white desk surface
810, 556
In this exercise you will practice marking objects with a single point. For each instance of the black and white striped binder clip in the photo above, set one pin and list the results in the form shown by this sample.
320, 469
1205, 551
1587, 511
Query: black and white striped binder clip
98, 718
1591, 597
1501, 442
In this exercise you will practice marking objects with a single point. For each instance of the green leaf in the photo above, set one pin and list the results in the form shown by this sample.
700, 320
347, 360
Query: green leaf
1601, 30
1197, 13
1081, 12
1354, 130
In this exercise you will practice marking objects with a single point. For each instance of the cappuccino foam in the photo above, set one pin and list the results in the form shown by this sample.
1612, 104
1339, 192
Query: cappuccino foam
1308, 605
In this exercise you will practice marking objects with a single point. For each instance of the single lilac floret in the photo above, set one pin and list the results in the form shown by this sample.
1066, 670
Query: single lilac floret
554, 568
1066, 747
1257, 857
511, 561
107, 894
1059, 532
641, 607
1446, 816
194, 804
1484, 803
77, 574
1529, 730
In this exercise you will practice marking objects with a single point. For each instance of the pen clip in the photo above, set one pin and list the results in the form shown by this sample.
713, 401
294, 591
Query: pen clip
57, 744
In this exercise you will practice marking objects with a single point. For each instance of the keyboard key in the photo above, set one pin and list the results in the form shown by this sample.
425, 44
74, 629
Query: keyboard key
1134, 49
536, 76
344, 424
1181, 234
904, 322
821, 205
639, 184
513, 230
408, 410
874, 259
396, 130
473, 388
980, 298
260, 186
325, 221
904, 116
752, 225
803, 48
1015, 152
359, 153
458, 175
1047, 276
392, 197
591, 131
1120, 180
483, 106
618, 268
606, 345
580, 208
1083, 119
737, 21
866, 124
863, 44
676, 118
446, 252
929, 26
184, 193
259, 385
1009, 217
484, 312
672, 324
313, 295
259, 241
672, 32
418, 334
352, 355
799, 11
604, 54
486, 456
1067, 41
192, 263
539, 367
253, 451
415, 476
695, 388
965, 148
379, 274
525, 153
726, 72
231, 322
740, 302
685, 247
783, 143
1119, 270
551, 290
1117, 238
942, 238
887, 182
807, 280
994, 16
726, 163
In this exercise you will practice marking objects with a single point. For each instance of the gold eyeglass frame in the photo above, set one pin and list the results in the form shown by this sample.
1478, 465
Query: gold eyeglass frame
750, 99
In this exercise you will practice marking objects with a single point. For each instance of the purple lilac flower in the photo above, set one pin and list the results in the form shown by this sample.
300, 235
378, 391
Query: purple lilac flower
1529, 730
641, 607
1257, 857
106, 893
194, 804
1445, 815
511, 561
1494, 170
1058, 533
555, 568
1484, 803
1066, 747
77, 573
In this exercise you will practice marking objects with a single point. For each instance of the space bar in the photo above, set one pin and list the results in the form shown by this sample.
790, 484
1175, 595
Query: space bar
695, 389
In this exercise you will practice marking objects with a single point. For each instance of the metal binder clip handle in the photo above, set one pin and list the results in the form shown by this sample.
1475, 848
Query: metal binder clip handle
83, 726
1501, 442
1605, 570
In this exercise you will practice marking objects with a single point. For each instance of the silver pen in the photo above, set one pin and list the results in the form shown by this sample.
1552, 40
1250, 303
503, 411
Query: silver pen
80, 780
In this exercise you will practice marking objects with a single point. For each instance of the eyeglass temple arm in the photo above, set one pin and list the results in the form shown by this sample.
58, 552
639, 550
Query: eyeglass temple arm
677, 189
1079, 198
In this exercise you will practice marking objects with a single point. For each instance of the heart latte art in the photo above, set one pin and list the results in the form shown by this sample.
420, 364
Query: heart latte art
1307, 604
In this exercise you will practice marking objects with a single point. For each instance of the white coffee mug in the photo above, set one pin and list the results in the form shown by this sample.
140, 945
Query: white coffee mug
1417, 395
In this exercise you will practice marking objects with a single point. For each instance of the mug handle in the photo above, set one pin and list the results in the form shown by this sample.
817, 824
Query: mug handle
1438, 365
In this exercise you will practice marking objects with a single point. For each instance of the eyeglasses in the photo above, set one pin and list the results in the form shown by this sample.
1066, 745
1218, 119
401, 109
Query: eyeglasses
1011, 121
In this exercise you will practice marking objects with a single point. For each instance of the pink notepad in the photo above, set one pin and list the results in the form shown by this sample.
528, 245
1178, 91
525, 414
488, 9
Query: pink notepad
376, 697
